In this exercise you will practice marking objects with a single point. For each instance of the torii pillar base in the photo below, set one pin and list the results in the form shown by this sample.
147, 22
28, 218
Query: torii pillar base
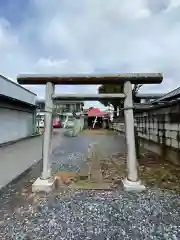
130, 186
44, 185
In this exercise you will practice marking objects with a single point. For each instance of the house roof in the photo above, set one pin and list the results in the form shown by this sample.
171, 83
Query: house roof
15, 91
169, 96
95, 112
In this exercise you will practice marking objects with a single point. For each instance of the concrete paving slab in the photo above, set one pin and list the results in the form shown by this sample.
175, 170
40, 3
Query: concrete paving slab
18, 157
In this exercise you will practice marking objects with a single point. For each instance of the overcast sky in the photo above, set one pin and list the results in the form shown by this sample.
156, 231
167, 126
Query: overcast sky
89, 36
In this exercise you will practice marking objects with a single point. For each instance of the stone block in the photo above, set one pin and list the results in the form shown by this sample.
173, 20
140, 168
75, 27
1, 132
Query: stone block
44, 185
130, 186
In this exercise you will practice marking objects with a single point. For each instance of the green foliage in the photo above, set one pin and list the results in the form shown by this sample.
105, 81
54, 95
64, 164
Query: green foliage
113, 88
105, 88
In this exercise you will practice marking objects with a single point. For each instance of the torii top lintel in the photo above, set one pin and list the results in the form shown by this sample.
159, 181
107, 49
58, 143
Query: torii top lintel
80, 79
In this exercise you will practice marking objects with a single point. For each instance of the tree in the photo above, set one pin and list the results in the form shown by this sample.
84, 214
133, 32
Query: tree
135, 91
114, 88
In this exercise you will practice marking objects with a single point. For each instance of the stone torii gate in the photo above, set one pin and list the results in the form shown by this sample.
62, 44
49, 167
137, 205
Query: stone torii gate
131, 183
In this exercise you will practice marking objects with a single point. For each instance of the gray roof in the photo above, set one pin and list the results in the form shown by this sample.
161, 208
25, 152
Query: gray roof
16, 84
13, 90
169, 96
149, 95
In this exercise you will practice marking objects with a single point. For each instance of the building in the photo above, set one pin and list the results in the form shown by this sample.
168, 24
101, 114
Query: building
147, 97
159, 100
17, 111
62, 106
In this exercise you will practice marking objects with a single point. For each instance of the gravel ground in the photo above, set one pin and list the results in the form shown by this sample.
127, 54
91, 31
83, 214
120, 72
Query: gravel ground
153, 214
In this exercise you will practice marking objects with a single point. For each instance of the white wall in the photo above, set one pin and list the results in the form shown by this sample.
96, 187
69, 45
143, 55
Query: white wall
14, 125
162, 138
